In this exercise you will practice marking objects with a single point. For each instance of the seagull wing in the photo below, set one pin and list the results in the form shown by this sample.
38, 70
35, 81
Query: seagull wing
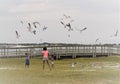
35, 23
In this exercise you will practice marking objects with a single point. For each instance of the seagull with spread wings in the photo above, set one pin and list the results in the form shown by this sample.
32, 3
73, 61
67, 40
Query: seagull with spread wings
35, 24
69, 26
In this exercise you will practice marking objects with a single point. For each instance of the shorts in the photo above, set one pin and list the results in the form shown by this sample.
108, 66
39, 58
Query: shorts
45, 58
27, 62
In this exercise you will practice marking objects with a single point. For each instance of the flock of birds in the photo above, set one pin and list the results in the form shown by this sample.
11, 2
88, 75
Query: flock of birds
68, 24
31, 27
114, 35
66, 21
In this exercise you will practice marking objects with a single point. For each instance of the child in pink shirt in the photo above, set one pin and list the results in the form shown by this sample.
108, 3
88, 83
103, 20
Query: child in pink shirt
45, 55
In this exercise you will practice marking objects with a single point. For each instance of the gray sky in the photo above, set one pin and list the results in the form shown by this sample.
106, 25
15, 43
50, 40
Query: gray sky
101, 17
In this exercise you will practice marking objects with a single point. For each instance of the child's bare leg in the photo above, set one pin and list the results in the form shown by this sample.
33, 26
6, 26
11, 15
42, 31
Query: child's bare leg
43, 64
52, 65
48, 64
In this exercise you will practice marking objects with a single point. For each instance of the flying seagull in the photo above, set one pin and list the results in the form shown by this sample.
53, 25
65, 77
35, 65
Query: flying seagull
17, 35
34, 23
116, 34
63, 24
29, 27
66, 16
69, 26
96, 40
34, 32
44, 28
83, 29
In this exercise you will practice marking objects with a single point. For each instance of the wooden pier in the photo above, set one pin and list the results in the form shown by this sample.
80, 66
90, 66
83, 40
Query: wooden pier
60, 50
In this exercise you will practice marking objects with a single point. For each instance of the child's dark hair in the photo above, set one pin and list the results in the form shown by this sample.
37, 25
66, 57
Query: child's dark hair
44, 48
26, 53
52, 56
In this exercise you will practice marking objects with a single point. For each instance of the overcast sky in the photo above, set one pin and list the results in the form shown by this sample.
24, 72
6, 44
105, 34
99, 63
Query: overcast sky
101, 17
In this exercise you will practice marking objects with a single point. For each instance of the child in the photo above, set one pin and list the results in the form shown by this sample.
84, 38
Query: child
45, 55
27, 61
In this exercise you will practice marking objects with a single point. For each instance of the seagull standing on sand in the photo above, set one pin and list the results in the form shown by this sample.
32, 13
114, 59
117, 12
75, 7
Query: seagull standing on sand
74, 64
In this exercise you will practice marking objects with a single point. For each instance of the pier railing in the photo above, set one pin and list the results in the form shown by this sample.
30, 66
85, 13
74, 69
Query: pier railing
73, 50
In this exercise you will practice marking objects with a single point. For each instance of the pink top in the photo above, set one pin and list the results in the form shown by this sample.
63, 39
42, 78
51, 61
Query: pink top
45, 53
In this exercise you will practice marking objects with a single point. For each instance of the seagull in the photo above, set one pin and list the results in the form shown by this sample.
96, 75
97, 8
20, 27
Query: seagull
74, 64
63, 24
96, 40
44, 28
83, 29
66, 16
34, 23
69, 26
29, 27
17, 35
116, 34
34, 32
